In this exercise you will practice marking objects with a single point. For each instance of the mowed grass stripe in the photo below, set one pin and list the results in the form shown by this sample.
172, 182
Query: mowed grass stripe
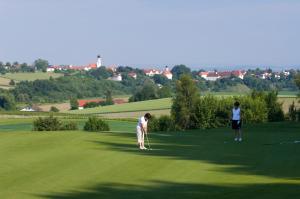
158, 104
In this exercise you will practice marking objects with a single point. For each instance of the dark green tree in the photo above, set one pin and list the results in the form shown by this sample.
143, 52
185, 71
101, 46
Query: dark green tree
74, 103
108, 98
12, 82
7, 102
54, 109
160, 79
179, 70
184, 103
147, 92
164, 92
100, 73
275, 112
41, 64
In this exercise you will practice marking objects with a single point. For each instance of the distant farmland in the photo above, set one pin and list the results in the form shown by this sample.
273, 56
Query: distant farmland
30, 76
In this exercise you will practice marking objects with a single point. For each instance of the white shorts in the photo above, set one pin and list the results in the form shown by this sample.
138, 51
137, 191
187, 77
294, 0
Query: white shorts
139, 134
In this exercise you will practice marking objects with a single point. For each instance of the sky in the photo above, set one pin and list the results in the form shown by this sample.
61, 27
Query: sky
144, 33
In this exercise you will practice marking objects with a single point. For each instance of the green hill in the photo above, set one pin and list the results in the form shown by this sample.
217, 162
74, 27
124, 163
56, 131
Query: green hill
128, 107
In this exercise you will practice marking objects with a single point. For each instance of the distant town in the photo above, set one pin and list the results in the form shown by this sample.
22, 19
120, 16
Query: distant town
207, 75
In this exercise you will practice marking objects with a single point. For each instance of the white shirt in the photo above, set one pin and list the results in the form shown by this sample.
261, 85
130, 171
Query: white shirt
236, 114
142, 122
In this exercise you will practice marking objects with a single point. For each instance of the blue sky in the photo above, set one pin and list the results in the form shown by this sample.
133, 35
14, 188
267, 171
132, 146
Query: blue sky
146, 33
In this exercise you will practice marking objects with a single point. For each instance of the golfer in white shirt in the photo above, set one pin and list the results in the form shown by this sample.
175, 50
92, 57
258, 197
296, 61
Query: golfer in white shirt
141, 129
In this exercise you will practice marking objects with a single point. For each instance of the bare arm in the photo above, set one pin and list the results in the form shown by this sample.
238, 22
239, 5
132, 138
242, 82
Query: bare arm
144, 130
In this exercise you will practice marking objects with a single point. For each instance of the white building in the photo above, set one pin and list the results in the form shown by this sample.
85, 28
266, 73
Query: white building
167, 73
151, 72
99, 61
27, 109
116, 78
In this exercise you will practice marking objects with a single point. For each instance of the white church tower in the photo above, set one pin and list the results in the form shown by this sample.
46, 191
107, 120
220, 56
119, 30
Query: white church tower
99, 61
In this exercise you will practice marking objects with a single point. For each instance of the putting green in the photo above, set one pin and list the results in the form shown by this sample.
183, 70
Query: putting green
192, 164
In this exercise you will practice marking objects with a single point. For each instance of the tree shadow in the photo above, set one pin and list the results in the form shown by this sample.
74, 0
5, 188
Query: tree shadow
161, 189
262, 153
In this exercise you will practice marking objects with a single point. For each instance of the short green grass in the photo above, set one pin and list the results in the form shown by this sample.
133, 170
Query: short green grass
128, 107
192, 164
30, 76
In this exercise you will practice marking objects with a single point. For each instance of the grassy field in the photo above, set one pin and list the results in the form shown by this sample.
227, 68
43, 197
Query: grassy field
30, 76
4, 83
193, 164
128, 107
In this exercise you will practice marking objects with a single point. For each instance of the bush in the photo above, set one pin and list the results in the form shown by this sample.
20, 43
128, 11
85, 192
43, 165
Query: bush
275, 112
52, 124
96, 125
166, 123
69, 126
47, 124
54, 109
91, 105
153, 124
293, 112
213, 112
7, 102
163, 123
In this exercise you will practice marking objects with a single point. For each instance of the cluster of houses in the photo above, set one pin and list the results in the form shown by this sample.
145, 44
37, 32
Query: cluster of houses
166, 72
116, 76
207, 75
214, 75
269, 75
74, 67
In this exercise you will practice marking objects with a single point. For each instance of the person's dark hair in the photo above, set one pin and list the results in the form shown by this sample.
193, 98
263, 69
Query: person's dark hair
147, 116
237, 104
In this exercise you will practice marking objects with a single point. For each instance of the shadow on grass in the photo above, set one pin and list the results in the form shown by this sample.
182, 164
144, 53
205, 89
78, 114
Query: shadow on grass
260, 153
181, 190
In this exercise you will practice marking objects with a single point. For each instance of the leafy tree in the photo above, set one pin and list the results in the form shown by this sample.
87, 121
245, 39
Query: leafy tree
74, 103
2, 68
54, 109
164, 92
12, 82
8, 64
160, 79
125, 69
297, 80
275, 112
179, 70
100, 73
108, 98
147, 92
41, 64
7, 102
26, 68
184, 103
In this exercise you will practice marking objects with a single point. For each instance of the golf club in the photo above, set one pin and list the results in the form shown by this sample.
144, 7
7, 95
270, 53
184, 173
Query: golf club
148, 142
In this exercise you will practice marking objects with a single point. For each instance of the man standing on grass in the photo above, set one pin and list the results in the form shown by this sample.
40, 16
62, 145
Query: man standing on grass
141, 129
237, 122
